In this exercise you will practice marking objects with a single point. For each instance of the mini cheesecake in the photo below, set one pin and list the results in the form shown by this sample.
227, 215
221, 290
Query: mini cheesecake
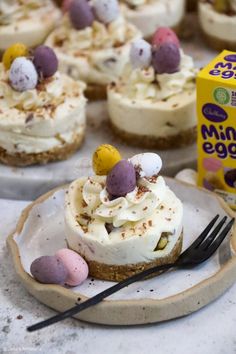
147, 15
95, 51
41, 119
218, 23
27, 21
151, 109
120, 235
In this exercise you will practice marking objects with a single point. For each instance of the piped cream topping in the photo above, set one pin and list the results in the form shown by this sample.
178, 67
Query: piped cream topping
17, 10
144, 84
139, 220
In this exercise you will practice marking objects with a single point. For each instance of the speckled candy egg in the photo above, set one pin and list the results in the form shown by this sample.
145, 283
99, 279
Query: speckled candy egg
140, 54
104, 159
147, 164
81, 14
230, 178
14, 51
165, 35
122, 179
76, 266
106, 11
45, 61
49, 270
23, 75
166, 58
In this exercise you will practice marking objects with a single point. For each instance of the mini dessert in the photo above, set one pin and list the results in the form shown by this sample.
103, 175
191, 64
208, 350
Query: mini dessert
147, 15
93, 43
27, 21
126, 221
42, 116
153, 105
218, 23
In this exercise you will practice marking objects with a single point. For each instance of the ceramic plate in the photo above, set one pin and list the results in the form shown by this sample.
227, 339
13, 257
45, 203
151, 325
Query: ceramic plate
40, 231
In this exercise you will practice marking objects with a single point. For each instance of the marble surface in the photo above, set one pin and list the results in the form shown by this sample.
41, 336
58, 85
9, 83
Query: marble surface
210, 330
29, 183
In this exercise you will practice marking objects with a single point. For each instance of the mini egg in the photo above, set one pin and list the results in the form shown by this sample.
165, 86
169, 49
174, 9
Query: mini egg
76, 266
14, 51
45, 61
23, 75
122, 179
104, 159
166, 58
230, 177
81, 14
140, 54
188, 176
49, 270
165, 35
212, 164
66, 5
106, 11
147, 164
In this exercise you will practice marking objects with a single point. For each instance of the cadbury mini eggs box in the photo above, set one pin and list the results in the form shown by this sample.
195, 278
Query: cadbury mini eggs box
216, 105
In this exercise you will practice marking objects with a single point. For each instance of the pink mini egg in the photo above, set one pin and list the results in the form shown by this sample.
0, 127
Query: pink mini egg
76, 266
165, 35
211, 164
66, 5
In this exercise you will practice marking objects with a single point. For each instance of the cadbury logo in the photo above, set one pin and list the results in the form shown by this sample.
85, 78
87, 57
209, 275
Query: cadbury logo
214, 113
231, 57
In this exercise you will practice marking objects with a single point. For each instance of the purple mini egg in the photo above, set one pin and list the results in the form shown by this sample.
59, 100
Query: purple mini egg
49, 270
166, 58
122, 179
45, 61
230, 178
81, 14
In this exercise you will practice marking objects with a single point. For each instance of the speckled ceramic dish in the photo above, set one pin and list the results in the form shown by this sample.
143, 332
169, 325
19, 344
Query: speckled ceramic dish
40, 231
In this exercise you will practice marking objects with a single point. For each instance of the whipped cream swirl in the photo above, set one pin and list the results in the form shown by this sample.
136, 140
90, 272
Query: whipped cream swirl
135, 3
14, 10
50, 92
144, 84
135, 206
98, 36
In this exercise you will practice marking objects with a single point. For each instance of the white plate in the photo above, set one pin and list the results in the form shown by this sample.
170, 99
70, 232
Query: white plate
40, 231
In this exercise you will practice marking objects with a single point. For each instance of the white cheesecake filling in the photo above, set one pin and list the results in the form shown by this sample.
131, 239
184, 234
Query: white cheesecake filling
37, 120
147, 15
27, 21
97, 54
139, 221
154, 105
217, 24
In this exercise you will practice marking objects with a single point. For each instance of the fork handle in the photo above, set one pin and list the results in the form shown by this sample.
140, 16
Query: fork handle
99, 297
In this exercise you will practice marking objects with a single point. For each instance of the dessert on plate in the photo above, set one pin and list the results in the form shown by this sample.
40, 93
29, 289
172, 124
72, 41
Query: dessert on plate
218, 23
153, 104
42, 116
147, 15
93, 43
27, 21
124, 219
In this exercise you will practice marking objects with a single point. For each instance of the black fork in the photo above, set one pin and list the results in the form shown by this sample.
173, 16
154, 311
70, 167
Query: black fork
199, 251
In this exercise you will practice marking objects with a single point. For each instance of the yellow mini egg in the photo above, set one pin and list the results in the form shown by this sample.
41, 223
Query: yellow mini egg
104, 159
14, 51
